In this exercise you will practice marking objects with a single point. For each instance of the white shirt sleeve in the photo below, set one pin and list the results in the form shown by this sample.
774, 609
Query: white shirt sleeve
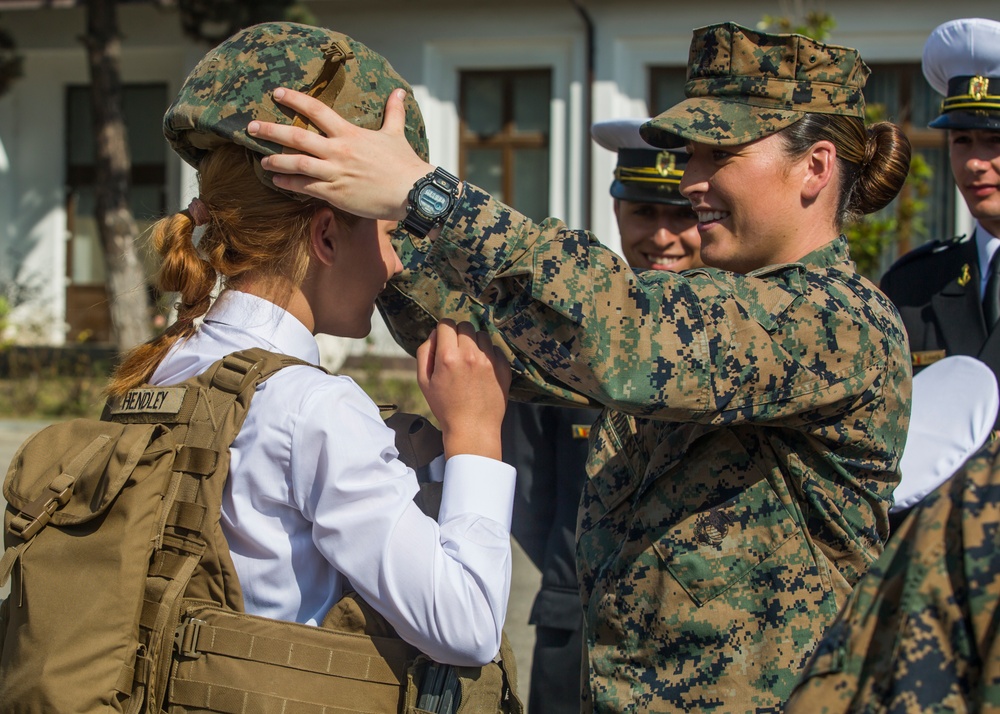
442, 585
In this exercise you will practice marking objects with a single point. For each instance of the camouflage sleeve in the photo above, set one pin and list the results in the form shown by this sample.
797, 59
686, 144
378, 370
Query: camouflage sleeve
706, 346
919, 632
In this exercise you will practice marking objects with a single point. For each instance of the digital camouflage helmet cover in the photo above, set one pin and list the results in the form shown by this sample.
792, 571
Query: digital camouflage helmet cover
233, 85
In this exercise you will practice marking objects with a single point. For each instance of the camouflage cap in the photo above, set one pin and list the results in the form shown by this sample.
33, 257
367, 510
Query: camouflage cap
232, 86
743, 85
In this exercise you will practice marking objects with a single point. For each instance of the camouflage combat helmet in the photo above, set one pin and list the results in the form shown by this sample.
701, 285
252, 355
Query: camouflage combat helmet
232, 86
743, 85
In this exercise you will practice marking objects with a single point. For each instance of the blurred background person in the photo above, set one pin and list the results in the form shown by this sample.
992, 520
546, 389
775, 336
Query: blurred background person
658, 227
944, 290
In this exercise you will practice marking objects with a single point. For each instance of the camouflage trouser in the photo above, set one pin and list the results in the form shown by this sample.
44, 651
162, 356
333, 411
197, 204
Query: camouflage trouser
919, 632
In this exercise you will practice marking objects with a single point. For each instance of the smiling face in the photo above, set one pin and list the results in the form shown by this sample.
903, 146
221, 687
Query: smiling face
749, 203
659, 236
975, 164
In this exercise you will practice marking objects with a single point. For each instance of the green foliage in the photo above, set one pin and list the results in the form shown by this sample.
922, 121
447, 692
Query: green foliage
389, 386
902, 220
53, 384
45, 384
4, 321
815, 24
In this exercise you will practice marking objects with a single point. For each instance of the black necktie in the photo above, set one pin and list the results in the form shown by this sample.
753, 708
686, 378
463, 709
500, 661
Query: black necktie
991, 296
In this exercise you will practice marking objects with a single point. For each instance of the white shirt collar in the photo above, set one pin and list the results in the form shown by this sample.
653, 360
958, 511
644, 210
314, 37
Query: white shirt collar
266, 322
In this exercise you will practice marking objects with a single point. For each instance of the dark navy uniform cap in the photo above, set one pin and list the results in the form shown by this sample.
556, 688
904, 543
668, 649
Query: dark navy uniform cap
644, 173
961, 60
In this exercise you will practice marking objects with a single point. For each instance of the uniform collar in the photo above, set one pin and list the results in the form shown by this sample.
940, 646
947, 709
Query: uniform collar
836, 252
265, 322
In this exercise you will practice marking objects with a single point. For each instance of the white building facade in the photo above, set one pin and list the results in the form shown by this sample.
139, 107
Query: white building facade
508, 90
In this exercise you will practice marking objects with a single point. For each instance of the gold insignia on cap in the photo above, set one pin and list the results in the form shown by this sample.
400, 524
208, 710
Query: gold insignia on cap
966, 275
666, 163
979, 87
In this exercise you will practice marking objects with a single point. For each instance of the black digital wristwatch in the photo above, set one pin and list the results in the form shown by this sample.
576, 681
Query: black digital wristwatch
430, 201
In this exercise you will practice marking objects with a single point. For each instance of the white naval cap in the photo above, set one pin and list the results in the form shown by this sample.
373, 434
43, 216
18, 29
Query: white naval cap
961, 60
618, 134
954, 406
645, 174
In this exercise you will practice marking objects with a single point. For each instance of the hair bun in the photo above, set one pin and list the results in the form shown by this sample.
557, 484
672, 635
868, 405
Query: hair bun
884, 168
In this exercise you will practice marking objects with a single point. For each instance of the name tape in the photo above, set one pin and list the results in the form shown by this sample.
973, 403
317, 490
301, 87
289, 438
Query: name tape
166, 400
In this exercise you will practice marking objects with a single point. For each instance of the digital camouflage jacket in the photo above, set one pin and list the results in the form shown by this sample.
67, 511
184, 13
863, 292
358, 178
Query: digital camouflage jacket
919, 633
740, 475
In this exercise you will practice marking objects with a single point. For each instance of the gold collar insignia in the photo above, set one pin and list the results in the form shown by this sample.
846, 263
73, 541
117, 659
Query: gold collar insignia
966, 275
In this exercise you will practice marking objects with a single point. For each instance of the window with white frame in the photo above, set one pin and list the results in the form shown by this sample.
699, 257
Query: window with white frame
504, 135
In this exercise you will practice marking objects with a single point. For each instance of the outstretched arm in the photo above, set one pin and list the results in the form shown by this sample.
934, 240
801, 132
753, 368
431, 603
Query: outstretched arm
367, 173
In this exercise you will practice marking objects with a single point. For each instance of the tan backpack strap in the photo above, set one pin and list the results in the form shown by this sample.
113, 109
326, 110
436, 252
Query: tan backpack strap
195, 638
198, 696
10, 557
511, 704
192, 558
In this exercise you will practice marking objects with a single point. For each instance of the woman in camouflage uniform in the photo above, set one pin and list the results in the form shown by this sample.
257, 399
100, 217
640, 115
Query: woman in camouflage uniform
755, 412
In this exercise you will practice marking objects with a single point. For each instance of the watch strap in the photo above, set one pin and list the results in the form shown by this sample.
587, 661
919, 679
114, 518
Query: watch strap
416, 222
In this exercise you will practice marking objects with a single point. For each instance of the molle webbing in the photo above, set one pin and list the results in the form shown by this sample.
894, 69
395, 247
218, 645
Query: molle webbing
191, 559
126, 599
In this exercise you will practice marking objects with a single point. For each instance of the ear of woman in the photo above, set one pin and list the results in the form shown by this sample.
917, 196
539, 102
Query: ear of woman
821, 165
324, 232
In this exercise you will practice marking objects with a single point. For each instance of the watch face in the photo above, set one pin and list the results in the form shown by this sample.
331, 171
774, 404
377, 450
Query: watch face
432, 201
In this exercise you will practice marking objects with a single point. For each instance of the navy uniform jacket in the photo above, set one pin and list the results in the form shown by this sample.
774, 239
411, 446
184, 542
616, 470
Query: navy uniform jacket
548, 446
936, 289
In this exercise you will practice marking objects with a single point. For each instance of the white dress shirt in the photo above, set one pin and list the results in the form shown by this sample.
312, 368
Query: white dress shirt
316, 497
